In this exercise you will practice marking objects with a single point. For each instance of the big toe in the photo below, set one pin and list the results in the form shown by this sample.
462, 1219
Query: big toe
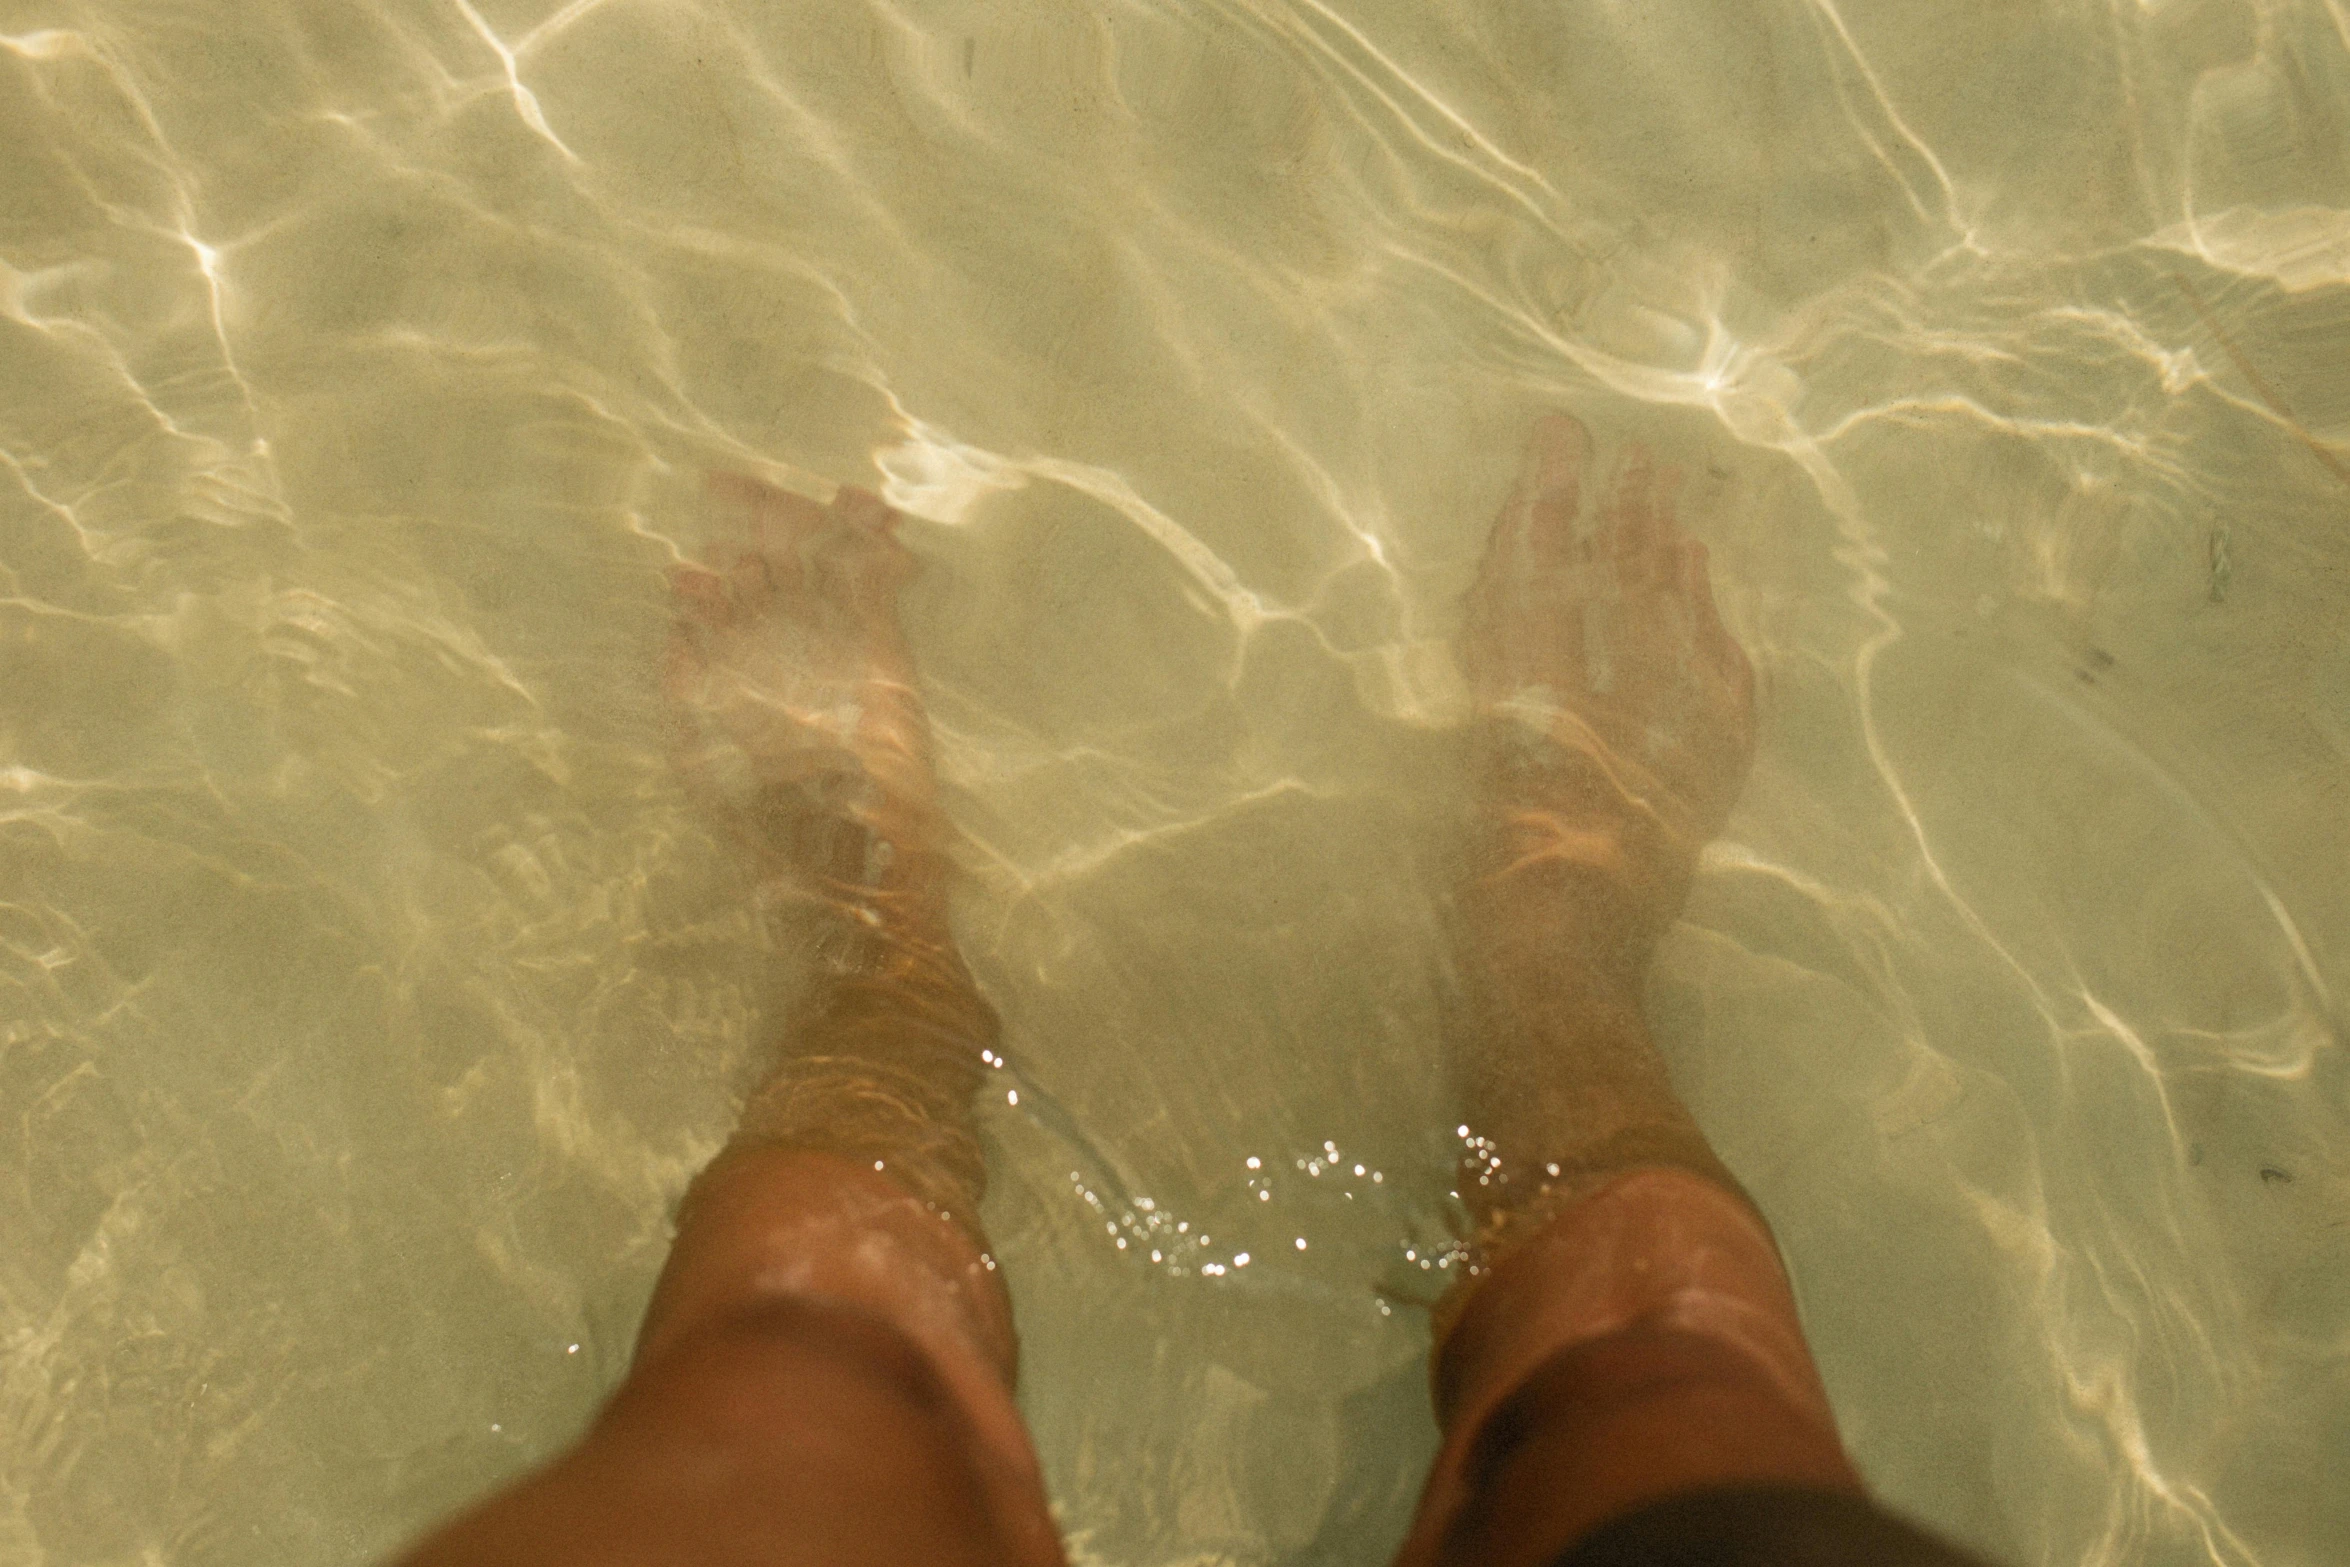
700, 597
1541, 514
1559, 447
863, 562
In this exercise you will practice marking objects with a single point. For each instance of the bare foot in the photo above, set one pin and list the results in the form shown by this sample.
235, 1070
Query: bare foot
793, 693
796, 716
1617, 715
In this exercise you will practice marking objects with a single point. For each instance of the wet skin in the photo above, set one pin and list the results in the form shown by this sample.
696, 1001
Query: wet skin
825, 1371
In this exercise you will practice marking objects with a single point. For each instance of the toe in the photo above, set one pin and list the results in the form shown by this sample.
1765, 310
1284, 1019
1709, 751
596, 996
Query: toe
1668, 493
862, 562
772, 517
1539, 517
681, 667
772, 524
1684, 577
752, 577
1631, 513
863, 510
1667, 544
1715, 637
1550, 485
1557, 452
700, 596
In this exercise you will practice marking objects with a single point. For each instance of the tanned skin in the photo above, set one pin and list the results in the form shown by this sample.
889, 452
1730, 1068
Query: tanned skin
825, 1373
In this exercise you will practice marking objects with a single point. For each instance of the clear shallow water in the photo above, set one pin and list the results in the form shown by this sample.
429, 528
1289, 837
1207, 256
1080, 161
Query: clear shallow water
371, 990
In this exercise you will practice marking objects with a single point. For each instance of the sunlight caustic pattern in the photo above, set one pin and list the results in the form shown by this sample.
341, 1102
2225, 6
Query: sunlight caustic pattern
372, 987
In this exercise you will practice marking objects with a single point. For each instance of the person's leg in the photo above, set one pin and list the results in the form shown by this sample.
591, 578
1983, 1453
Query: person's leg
824, 1374
1625, 1334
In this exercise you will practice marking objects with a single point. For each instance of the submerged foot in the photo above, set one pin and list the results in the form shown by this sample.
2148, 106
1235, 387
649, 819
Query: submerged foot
793, 699
796, 715
1616, 714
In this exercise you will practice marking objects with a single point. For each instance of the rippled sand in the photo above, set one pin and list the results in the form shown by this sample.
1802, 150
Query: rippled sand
371, 989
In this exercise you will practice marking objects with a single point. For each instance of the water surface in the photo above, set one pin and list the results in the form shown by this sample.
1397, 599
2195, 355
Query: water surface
371, 988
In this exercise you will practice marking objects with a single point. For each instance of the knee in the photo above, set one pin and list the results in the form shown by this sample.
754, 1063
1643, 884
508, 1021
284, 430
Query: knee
1656, 1397
791, 1432
785, 1359
1610, 1425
